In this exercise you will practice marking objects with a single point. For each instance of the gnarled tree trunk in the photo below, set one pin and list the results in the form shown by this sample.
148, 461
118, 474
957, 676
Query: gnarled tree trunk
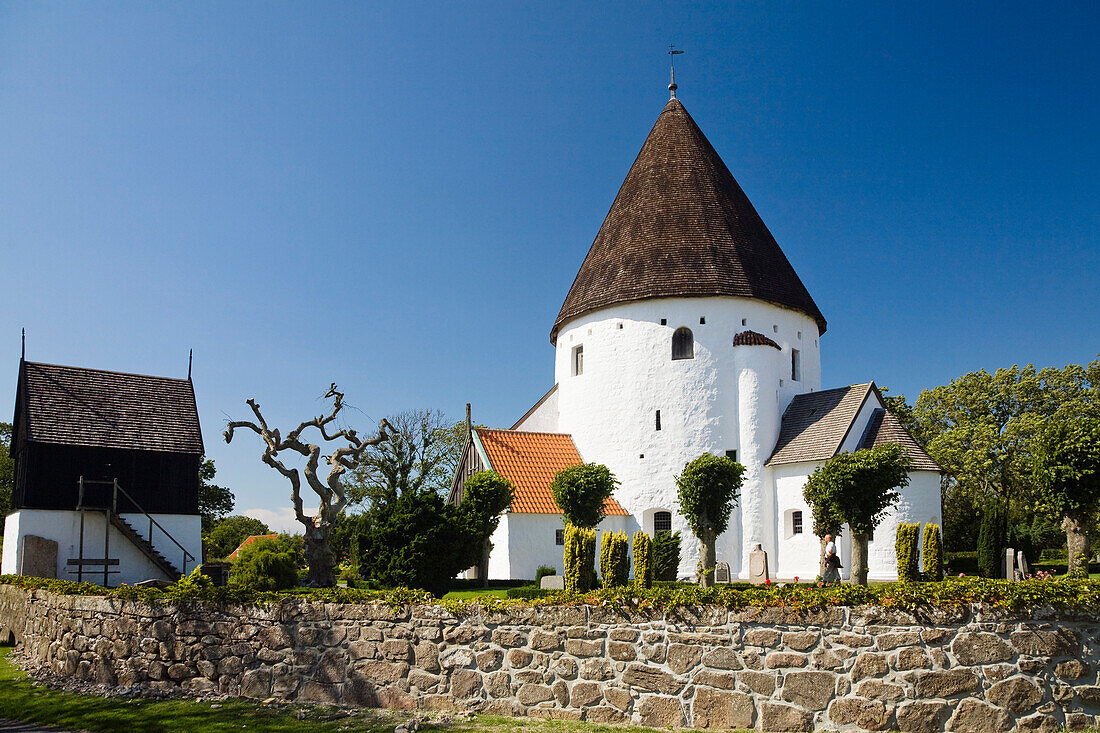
858, 561
1077, 543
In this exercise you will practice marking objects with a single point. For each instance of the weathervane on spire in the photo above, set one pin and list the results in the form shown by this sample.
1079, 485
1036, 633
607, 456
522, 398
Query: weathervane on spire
672, 51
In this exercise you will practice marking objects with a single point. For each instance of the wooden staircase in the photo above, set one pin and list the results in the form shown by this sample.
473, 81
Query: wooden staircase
146, 548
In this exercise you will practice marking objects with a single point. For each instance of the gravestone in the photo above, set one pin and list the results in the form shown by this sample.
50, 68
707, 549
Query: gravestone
1021, 564
722, 572
758, 564
552, 582
1008, 565
39, 557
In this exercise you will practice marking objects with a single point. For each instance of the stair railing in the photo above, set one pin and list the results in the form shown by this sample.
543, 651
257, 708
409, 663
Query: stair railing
152, 522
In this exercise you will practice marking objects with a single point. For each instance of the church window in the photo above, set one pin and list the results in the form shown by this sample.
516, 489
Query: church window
744, 321
683, 344
559, 537
658, 419
796, 522
799, 335
796, 365
702, 320
664, 321
578, 360
732, 455
620, 327
775, 329
662, 522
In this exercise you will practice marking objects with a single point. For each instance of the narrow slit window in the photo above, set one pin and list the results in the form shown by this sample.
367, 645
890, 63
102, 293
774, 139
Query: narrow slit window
796, 522
559, 537
662, 522
658, 419
702, 320
796, 365
578, 360
683, 343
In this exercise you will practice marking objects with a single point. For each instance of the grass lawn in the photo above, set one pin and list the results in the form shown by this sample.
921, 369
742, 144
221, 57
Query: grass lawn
20, 699
463, 595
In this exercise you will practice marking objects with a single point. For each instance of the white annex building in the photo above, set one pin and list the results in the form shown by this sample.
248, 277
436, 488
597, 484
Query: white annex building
687, 331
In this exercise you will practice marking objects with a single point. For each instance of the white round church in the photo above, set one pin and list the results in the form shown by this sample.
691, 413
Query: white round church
687, 331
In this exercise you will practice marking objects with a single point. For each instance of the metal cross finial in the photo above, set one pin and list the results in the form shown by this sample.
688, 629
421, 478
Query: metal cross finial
672, 51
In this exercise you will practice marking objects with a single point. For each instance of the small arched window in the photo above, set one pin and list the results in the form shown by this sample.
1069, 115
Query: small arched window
662, 522
683, 344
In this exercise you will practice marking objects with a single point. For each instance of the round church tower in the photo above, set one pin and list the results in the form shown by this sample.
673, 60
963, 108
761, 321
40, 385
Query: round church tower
686, 331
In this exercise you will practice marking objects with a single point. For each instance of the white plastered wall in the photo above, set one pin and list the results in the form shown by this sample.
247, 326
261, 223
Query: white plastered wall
528, 541
544, 418
629, 374
63, 527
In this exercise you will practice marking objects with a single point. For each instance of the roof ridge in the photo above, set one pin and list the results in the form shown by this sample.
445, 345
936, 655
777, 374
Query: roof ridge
104, 371
525, 432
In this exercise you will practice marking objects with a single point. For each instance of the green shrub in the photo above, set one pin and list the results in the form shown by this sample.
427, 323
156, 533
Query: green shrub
964, 561
614, 559
643, 560
580, 559
528, 592
991, 542
542, 572
906, 546
666, 555
933, 553
269, 564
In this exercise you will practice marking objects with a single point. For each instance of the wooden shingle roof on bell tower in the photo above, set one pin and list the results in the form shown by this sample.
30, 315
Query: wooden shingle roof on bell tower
679, 227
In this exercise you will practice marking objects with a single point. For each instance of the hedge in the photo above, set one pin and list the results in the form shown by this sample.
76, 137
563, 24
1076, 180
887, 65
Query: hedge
933, 552
1078, 595
905, 545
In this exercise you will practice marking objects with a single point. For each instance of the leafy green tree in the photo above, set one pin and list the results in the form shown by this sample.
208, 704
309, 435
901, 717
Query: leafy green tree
227, 534
215, 501
485, 496
1067, 481
422, 453
666, 555
902, 410
7, 473
982, 429
417, 540
581, 492
859, 488
269, 564
707, 490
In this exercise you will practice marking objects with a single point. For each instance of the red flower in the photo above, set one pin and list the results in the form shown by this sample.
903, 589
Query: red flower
796, 578
768, 581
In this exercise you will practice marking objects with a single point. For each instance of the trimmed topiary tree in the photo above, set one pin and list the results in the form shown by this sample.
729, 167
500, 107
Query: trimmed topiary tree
933, 552
614, 559
991, 542
707, 490
859, 488
643, 559
666, 555
579, 556
906, 546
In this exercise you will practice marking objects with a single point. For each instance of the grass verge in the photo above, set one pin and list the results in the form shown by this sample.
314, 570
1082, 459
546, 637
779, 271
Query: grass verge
21, 699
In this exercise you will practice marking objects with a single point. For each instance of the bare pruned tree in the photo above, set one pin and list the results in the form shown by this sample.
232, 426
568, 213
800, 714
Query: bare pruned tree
333, 499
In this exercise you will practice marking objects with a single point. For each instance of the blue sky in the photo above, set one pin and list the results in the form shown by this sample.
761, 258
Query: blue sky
396, 197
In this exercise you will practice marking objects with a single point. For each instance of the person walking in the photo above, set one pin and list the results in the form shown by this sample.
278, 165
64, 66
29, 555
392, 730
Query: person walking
832, 562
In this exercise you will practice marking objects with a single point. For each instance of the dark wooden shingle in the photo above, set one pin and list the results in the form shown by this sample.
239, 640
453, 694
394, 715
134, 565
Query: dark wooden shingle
91, 407
681, 226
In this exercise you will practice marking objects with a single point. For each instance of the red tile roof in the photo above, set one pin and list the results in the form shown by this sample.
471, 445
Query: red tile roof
248, 541
752, 338
530, 461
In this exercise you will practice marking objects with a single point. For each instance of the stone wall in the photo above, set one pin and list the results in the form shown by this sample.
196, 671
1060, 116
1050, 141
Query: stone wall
771, 669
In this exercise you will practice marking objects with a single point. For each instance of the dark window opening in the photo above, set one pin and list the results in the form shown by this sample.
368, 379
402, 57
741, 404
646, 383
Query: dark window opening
664, 321
796, 522
559, 537
732, 455
702, 319
662, 522
658, 419
796, 365
683, 344
578, 360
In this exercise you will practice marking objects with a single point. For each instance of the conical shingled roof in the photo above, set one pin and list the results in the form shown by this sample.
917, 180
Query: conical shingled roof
682, 227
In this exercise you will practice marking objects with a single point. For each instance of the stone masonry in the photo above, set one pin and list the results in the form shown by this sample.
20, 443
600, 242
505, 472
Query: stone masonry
764, 669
